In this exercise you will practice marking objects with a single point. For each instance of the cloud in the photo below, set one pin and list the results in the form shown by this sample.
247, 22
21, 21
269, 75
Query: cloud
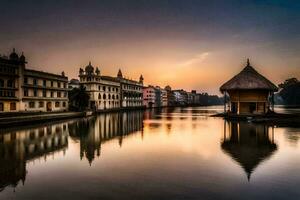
196, 59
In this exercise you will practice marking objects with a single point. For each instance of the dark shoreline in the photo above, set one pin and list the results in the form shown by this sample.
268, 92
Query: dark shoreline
275, 119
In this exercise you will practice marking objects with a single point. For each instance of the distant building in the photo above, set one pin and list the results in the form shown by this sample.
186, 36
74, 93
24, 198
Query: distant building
131, 91
170, 96
24, 89
149, 96
104, 91
181, 97
74, 83
192, 98
249, 92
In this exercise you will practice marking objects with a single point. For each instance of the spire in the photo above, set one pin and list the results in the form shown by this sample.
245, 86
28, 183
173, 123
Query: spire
141, 79
120, 75
90, 63
248, 62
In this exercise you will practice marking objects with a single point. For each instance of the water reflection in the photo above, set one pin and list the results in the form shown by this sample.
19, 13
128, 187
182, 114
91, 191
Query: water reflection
248, 144
91, 132
17, 148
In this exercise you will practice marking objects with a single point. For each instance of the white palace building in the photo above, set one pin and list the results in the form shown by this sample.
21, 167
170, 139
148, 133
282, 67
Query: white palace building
108, 92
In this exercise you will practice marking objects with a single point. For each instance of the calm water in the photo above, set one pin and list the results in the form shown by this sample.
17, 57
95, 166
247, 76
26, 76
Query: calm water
168, 154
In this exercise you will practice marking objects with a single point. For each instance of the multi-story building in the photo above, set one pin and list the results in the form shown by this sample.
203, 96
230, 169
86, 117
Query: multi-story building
149, 96
158, 97
24, 89
181, 97
164, 97
104, 91
192, 97
131, 91
170, 96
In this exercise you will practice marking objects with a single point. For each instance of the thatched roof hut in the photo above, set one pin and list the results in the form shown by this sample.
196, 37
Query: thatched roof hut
249, 92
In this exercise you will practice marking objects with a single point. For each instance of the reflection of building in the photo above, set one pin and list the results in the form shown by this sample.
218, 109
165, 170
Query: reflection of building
248, 144
92, 132
19, 147
249, 92
24, 89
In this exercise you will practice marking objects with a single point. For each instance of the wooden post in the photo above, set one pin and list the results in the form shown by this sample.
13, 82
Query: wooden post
224, 102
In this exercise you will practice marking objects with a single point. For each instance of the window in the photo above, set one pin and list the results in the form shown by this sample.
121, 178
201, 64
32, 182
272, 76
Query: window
109, 89
56, 104
64, 104
44, 93
58, 94
1, 83
13, 106
99, 96
35, 92
108, 96
51, 83
31, 104
10, 83
41, 104
34, 82
44, 83
104, 88
65, 85
104, 96
52, 94
117, 96
26, 92
58, 84
65, 94
25, 80
1, 106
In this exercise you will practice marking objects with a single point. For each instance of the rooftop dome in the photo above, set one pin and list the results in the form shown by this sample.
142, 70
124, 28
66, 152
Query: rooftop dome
89, 68
14, 55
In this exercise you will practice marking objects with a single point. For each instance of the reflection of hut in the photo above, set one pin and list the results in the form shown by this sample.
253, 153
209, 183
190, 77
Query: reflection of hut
249, 92
248, 144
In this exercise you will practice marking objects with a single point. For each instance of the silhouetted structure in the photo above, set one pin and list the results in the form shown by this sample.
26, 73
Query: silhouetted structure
248, 144
249, 92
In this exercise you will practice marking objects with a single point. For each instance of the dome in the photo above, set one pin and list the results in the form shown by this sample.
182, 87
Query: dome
14, 55
89, 68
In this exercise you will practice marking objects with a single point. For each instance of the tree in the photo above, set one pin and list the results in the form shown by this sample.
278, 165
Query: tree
290, 91
79, 98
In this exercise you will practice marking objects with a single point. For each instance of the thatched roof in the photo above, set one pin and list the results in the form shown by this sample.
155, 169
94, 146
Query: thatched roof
248, 79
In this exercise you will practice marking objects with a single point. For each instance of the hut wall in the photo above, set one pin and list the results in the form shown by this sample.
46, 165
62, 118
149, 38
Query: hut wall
248, 96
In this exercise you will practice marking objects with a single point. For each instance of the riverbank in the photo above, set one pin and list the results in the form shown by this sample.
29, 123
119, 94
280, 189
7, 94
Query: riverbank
276, 119
8, 119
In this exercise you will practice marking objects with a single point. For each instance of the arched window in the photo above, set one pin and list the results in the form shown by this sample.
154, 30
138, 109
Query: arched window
99, 96
108, 96
113, 96
104, 96
117, 96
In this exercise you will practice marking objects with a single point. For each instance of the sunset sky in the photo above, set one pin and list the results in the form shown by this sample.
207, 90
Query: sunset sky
188, 44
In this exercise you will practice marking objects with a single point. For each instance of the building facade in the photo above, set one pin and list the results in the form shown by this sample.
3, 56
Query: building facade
149, 96
131, 91
24, 89
104, 91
